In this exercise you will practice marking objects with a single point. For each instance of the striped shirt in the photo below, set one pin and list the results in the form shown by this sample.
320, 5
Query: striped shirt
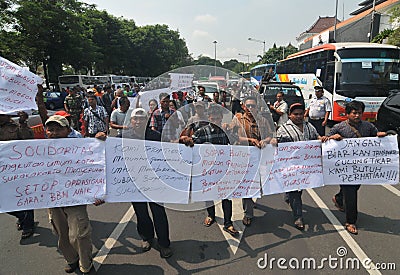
290, 132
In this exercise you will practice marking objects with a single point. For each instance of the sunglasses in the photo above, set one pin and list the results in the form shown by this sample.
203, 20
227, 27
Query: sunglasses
251, 106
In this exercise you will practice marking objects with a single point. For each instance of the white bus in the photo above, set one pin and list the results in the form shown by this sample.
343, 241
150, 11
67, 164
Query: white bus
71, 81
347, 71
119, 80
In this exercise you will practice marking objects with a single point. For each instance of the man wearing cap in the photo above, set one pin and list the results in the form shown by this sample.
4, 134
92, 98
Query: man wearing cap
318, 111
296, 129
73, 106
71, 223
73, 133
145, 226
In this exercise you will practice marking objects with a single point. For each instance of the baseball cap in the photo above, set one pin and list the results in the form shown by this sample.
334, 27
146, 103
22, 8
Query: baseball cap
62, 113
296, 106
139, 112
58, 119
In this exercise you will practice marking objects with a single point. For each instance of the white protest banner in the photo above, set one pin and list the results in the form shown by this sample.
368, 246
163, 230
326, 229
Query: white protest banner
18, 88
51, 173
223, 172
180, 81
145, 96
266, 162
121, 186
159, 171
369, 160
297, 165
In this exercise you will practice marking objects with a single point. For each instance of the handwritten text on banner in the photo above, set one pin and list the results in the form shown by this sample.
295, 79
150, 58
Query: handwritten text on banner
18, 88
140, 170
297, 165
51, 173
361, 161
223, 171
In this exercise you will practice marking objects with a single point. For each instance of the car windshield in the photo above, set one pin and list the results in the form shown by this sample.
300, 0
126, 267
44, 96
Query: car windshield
287, 91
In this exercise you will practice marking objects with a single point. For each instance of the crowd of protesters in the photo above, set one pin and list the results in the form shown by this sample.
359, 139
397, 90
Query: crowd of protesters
94, 112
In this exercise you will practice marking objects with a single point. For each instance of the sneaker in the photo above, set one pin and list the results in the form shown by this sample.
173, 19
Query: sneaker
69, 268
165, 252
146, 245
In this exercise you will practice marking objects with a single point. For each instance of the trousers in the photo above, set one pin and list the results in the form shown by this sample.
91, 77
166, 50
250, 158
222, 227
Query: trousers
226, 208
72, 226
25, 219
347, 196
296, 203
248, 207
146, 226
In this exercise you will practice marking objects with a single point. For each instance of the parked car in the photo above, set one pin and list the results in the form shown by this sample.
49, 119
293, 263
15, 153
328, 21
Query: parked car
54, 100
388, 116
292, 93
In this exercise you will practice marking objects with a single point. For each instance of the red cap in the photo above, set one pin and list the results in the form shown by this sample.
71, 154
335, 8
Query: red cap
62, 113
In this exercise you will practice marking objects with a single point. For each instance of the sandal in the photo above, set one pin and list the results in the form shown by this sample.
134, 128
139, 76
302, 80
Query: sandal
299, 224
338, 206
208, 221
246, 221
231, 230
351, 228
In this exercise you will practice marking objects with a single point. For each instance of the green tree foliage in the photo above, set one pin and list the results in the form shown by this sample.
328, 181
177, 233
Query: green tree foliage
74, 35
234, 65
277, 53
381, 36
394, 37
205, 60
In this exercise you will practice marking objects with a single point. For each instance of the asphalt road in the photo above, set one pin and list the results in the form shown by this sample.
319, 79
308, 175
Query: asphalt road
201, 250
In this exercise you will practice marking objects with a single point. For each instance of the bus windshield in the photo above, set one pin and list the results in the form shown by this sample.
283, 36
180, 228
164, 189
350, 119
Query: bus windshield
368, 77
259, 71
69, 79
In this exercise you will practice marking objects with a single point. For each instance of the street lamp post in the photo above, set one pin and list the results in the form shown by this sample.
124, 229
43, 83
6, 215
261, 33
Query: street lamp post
215, 57
248, 58
259, 41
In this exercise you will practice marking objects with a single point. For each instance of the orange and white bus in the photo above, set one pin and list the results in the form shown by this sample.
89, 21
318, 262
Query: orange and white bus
347, 71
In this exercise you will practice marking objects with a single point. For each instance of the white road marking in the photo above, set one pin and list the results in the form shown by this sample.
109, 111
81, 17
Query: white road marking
392, 189
110, 242
353, 245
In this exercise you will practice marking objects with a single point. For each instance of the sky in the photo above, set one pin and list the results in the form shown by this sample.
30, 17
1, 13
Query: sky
230, 22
